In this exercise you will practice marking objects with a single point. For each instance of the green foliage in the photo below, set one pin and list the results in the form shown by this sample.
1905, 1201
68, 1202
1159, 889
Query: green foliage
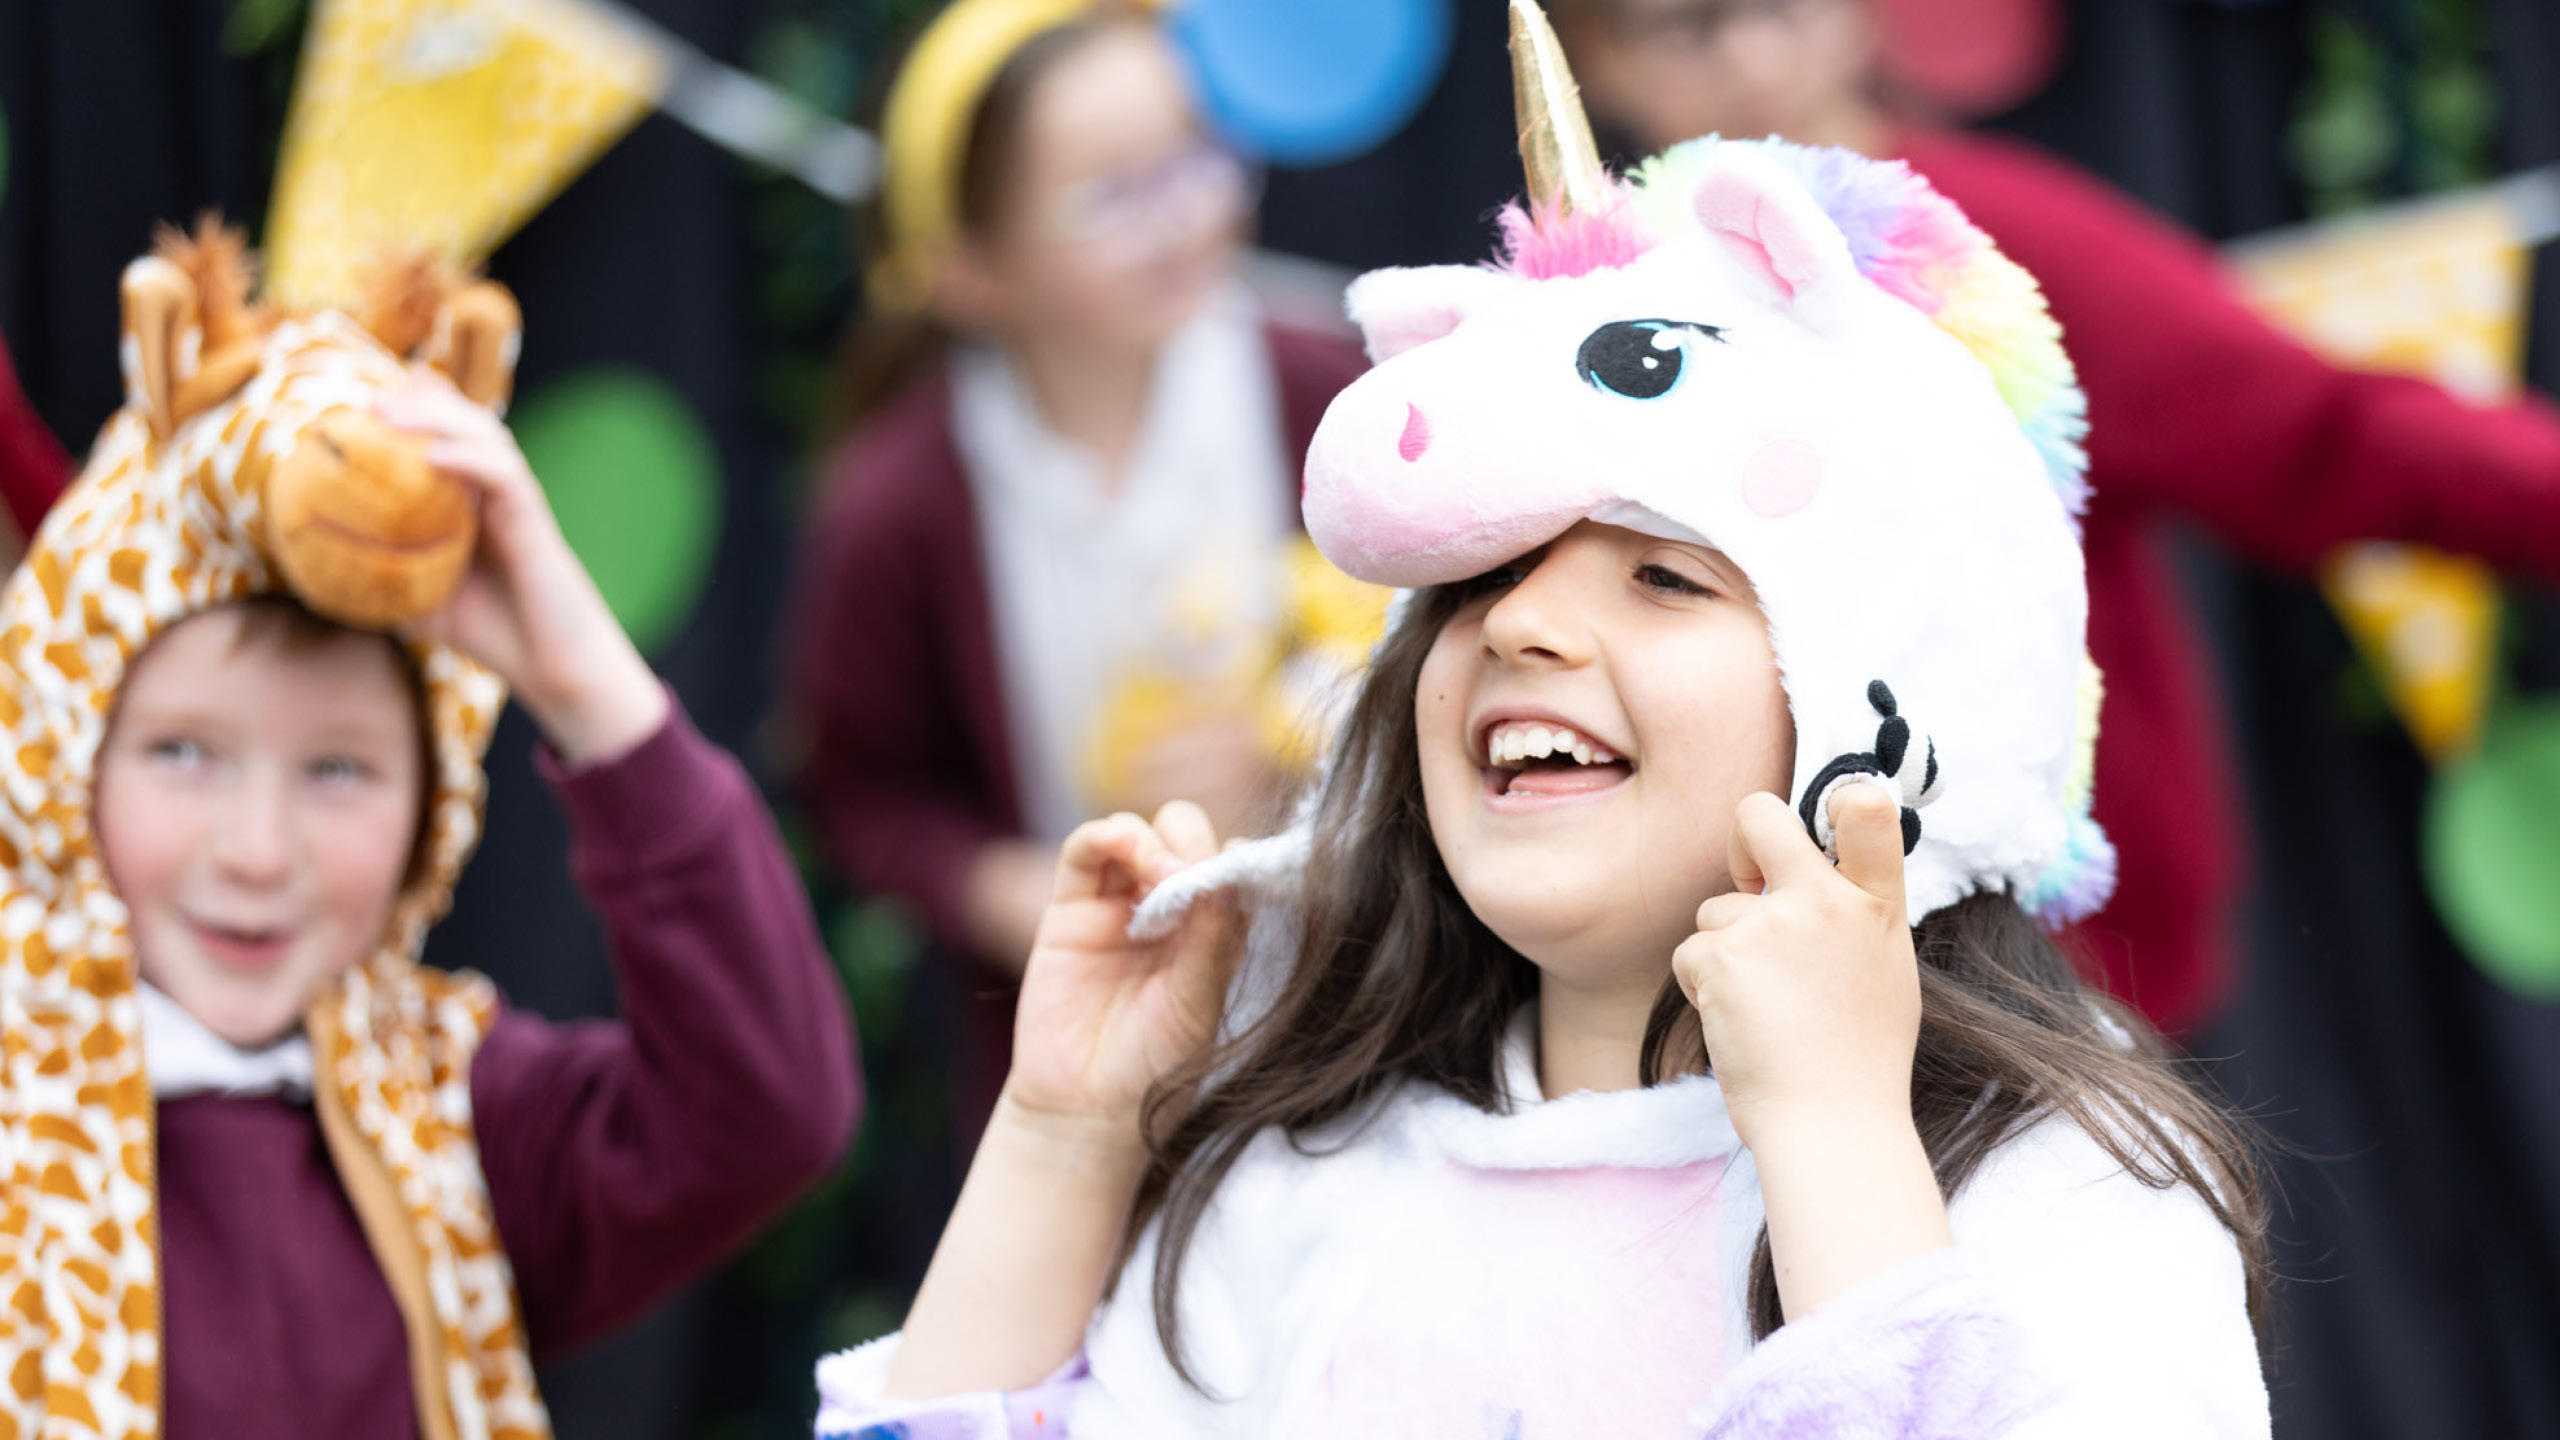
831, 55
2399, 102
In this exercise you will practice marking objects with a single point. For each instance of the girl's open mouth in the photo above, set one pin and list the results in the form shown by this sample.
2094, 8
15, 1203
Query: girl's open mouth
1528, 760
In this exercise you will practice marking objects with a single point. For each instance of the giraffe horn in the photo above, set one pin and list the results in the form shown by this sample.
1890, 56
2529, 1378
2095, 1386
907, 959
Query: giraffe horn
1555, 137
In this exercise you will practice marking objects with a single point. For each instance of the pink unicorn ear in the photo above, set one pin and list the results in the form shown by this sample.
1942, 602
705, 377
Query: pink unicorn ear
1399, 309
1766, 220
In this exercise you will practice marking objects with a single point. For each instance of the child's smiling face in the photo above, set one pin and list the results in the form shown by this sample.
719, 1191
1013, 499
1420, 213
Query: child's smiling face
258, 796
1654, 655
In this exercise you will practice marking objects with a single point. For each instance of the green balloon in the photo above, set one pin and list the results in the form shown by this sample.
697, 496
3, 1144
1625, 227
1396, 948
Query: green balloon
2491, 849
634, 479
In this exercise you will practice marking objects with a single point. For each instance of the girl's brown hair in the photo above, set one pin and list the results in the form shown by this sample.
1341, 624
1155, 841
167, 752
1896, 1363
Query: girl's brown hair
1396, 980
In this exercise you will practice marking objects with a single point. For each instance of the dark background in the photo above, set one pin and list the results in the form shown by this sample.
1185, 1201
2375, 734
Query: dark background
2421, 1104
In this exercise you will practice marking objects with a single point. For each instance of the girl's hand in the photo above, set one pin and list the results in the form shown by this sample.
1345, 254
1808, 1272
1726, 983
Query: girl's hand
1804, 977
1103, 1017
1809, 990
1035, 1237
526, 608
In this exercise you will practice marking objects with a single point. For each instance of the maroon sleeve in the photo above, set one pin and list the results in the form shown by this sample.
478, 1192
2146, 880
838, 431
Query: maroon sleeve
33, 469
624, 1157
2199, 406
1311, 370
892, 685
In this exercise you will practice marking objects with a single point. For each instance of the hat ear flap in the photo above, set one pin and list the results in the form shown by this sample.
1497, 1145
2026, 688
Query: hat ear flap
162, 333
1400, 308
476, 339
1763, 217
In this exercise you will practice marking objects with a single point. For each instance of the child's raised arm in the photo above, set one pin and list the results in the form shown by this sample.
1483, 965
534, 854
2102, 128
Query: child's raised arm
1032, 1242
1809, 992
527, 608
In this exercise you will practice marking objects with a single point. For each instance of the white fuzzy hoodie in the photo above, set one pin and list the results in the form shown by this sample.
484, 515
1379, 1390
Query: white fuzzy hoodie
1577, 1267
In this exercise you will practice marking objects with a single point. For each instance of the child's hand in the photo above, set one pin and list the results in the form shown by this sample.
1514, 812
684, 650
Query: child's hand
526, 608
1804, 977
1103, 1017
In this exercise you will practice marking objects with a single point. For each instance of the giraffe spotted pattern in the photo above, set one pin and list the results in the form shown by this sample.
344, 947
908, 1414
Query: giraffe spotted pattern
154, 531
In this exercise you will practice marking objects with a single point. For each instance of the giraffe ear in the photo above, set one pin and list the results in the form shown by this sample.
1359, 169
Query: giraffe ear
477, 335
162, 333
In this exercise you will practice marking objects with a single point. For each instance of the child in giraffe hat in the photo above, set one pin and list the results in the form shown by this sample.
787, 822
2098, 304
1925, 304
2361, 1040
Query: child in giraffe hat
1648, 1031
266, 1174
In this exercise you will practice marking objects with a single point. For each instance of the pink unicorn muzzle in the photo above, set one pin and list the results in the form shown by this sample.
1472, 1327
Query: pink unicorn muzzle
1411, 482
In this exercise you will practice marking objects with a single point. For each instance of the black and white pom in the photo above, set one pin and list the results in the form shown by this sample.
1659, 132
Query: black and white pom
1904, 757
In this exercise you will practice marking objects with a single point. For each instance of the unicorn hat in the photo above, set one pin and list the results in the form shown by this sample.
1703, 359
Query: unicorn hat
1812, 362
1816, 365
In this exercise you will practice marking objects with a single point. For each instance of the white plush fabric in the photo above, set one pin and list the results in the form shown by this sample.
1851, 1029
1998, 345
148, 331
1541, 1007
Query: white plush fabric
1577, 1267
1855, 459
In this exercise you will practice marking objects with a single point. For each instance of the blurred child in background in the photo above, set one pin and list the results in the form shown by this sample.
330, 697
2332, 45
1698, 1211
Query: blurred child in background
2198, 410
1052, 574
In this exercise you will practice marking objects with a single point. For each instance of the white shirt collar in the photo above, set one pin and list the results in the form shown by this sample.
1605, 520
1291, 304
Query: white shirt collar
183, 1057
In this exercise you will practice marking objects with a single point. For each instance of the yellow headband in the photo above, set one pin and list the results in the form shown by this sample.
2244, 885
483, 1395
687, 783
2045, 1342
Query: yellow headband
925, 126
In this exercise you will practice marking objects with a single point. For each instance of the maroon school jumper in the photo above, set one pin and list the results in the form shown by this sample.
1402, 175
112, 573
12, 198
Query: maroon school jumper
622, 1157
2200, 410
909, 770
33, 468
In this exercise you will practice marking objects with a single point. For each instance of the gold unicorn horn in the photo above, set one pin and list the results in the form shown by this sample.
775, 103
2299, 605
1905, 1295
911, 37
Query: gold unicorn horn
1555, 138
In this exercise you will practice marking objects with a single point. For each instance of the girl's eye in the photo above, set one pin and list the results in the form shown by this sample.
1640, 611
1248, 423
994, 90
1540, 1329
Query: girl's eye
1668, 581
1500, 577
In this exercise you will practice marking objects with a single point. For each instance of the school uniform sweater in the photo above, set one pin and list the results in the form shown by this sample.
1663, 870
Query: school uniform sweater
1579, 1267
622, 1157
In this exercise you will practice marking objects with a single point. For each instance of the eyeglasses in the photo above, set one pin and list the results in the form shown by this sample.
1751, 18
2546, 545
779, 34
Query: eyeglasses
1198, 187
1694, 25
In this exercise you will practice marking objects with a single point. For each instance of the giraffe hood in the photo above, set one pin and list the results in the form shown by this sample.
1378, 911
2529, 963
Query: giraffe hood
244, 463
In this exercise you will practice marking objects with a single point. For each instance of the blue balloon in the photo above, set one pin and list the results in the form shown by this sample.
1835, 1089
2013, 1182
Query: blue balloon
1310, 82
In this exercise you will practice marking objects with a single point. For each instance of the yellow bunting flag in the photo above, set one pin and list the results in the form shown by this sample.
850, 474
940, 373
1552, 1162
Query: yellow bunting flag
2436, 290
440, 125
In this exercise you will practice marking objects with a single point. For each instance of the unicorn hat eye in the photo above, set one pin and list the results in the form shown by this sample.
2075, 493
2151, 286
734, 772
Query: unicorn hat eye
1639, 359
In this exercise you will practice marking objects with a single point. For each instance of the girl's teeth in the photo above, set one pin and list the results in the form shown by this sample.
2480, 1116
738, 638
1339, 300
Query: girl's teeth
1516, 743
